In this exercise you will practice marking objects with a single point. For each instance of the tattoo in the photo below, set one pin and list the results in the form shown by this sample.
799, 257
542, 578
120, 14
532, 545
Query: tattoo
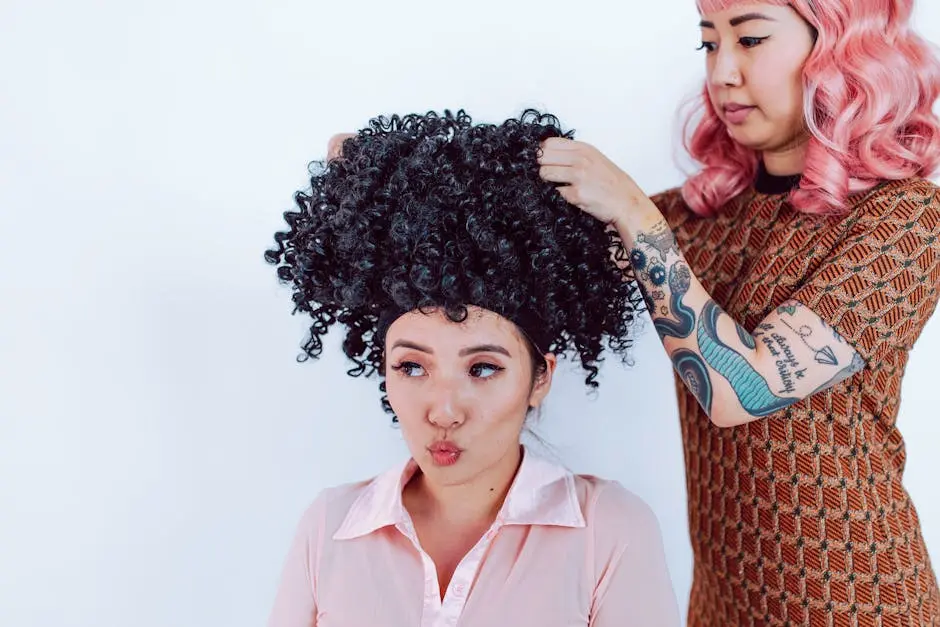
856, 366
787, 365
824, 355
638, 259
835, 334
762, 328
657, 295
749, 386
680, 279
695, 374
680, 328
657, 275
622, 261
646, 294
746, 338
661, 238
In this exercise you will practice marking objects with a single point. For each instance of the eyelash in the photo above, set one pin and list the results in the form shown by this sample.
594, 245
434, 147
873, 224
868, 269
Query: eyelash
756, 41
496, 369
406, 367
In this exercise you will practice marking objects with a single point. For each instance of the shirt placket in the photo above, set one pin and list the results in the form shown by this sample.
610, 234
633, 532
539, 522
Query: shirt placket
447, 613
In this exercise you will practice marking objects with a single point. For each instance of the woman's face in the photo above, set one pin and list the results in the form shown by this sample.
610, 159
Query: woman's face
461, 391
754, 61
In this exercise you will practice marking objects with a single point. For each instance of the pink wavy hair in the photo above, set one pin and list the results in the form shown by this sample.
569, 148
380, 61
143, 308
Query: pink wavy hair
869, 86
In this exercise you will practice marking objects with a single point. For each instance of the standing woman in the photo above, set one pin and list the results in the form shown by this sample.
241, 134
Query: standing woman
788, 281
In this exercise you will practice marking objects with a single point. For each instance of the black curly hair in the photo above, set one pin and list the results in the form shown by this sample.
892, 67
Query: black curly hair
433, 211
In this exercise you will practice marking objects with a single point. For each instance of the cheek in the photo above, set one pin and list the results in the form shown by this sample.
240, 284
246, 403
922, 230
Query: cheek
710, 90
507, 410
497, 406
404, 401
778, 84
509, 413
505, 394
710, 87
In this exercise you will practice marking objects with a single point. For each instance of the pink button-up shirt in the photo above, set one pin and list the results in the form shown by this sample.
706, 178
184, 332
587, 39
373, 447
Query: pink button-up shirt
565, 550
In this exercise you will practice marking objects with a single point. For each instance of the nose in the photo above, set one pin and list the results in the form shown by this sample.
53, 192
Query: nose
725, 71
446, 409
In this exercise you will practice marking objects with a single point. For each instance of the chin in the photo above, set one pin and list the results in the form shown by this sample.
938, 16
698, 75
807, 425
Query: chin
449, 475
757, 144
765, 138
750, 140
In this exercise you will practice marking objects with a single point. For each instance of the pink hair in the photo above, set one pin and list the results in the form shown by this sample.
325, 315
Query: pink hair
869, 87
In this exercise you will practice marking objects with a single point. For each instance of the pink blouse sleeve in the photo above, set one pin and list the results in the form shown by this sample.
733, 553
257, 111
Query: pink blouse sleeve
295, 604
633, 583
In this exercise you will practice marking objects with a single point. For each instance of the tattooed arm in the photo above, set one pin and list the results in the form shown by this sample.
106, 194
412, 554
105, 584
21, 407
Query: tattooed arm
737, 376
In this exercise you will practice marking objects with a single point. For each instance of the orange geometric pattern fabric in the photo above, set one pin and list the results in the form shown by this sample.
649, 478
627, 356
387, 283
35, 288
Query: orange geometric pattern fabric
801, 518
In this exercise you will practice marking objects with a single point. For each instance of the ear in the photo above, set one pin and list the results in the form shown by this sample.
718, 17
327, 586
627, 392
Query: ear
543, 383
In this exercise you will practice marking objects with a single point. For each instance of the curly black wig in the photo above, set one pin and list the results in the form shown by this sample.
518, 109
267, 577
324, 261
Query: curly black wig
435, 212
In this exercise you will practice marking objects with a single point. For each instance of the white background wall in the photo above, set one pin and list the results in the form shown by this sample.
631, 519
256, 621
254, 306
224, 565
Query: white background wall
157, 439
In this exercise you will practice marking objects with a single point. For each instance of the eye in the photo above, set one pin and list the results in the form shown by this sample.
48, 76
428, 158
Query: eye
707, 46
409, 369
750, 42
484, 370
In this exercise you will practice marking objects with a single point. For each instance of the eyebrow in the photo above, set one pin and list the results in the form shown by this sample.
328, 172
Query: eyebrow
485, 348
737, 21
471, 350
412, 345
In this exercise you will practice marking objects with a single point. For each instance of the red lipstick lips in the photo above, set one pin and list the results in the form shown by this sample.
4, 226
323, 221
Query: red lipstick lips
445, 453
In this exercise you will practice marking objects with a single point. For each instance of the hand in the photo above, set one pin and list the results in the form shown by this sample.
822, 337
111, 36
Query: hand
594, 183
334, 147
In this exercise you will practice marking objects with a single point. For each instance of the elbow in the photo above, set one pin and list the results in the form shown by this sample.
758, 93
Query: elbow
725, 418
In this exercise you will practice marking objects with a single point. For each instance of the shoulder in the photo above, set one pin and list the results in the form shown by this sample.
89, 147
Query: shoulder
330, 507
615, 513
904, 200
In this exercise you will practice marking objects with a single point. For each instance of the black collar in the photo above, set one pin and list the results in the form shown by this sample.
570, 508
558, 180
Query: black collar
767, 183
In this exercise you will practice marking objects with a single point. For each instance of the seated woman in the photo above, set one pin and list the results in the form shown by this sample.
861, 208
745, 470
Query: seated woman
461, 277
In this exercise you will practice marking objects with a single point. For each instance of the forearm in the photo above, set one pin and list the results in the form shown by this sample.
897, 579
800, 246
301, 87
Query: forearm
715, 356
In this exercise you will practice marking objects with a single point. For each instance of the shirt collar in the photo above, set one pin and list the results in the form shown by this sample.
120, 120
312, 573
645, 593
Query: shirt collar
542, 493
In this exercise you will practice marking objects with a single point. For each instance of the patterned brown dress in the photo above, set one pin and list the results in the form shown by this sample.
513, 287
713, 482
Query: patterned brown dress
801, 518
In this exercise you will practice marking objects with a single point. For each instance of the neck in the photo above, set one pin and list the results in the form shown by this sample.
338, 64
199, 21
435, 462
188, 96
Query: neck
473, 502
767, 183
786, 161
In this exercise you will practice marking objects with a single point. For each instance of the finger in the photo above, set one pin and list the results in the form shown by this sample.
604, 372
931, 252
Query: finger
560, 143
553, 146
570, 194
334, 148
562, 156
557, 173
